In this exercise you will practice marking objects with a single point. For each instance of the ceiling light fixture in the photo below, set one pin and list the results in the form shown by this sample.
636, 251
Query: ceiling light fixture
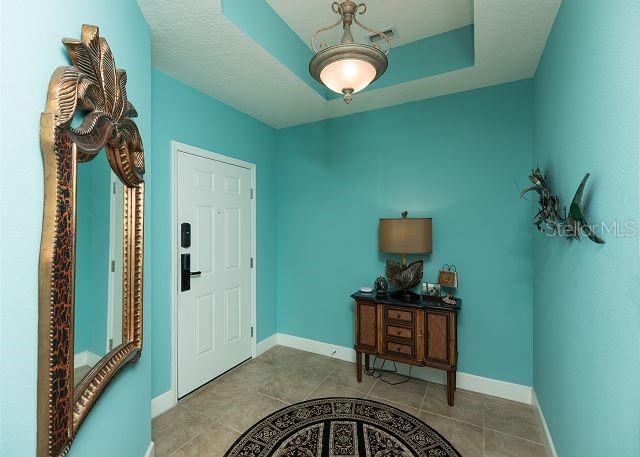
348, 67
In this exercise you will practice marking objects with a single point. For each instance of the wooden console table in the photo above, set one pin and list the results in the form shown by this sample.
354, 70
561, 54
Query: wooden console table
422, 333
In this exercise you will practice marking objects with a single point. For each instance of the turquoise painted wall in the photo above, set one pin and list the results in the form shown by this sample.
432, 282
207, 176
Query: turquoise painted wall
184, 114
30, 51
451, 158
92, 256
586, 297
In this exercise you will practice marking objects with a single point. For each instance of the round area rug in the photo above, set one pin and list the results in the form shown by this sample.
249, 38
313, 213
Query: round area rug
341, 427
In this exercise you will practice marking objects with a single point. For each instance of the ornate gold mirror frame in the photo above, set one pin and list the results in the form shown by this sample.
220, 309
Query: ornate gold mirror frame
93, 87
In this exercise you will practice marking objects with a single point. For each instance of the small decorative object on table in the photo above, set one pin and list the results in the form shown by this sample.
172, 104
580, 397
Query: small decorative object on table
381, 285
366, 290
430, 289
405, 236
448, 277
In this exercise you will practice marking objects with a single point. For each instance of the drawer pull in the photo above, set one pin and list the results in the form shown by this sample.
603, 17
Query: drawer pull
400, 349
399, 332
400, 315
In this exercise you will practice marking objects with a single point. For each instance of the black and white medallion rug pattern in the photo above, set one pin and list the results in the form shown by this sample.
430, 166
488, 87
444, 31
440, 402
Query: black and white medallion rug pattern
341, 427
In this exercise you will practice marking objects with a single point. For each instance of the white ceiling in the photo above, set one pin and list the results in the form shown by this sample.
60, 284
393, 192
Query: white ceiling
414, 19
193, 42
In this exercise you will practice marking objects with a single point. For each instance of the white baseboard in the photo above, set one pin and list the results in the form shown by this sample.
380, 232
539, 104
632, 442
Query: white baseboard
548, 441
317, 347
266, 344
487, 386
151, 450
85, 358
495, 387
163, 402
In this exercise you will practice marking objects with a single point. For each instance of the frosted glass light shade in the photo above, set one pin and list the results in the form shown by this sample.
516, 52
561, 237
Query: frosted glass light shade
348, 74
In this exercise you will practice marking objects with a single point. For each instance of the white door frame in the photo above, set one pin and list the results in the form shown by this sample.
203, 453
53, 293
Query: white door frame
180, 148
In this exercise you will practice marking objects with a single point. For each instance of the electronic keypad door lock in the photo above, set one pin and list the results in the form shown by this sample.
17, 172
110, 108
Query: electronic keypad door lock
186, 273
185, 235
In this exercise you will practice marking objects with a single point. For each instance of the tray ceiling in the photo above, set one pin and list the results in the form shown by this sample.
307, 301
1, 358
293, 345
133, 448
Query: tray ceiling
196, 43
414, 19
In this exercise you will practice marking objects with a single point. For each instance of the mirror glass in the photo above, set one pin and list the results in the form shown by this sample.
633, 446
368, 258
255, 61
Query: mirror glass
98, 281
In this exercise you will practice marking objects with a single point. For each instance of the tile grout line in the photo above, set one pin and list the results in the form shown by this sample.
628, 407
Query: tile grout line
274, 398
514, 436
187, 442
375, 383
316, 388
423, 398
282, 370
228, 426
242, 402
345, 387
484, 440
195, 412
451, 418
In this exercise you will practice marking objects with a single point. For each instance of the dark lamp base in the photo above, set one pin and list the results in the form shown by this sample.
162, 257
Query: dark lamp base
405, 295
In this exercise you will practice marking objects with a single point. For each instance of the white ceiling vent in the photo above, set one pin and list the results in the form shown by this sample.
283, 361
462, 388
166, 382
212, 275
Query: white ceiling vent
391, 32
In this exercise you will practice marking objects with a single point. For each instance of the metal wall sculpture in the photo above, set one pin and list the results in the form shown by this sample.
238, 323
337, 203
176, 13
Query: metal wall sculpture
549, 218
94, 87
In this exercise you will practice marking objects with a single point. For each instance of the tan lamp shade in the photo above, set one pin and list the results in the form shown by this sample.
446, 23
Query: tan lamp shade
405, 236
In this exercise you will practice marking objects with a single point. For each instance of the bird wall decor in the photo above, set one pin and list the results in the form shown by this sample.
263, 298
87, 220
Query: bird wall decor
549, 219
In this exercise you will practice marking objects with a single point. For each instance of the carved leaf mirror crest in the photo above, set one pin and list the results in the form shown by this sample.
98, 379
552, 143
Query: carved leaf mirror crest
91, 253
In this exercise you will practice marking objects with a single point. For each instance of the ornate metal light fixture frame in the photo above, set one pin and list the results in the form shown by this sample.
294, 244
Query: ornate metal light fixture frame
347, 48
95, 87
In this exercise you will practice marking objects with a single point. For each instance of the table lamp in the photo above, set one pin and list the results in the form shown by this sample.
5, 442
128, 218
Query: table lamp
405, 236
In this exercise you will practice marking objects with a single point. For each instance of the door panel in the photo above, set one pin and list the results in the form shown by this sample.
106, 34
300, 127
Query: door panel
438, 337
204, 324
203, 232
214, 316
232, 234
233, 314
367, 323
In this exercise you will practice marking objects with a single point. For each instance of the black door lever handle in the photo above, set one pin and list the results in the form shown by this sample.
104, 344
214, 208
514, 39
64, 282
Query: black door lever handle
186, 273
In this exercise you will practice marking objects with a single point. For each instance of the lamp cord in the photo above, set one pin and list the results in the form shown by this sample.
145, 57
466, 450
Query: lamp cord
378, 373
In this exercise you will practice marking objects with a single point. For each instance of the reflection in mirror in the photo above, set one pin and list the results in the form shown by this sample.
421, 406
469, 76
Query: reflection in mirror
98, 281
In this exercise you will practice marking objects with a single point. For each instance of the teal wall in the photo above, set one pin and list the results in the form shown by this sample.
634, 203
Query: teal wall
586, 297
93, 203
451, 158
30, 51
434, 55
186, 115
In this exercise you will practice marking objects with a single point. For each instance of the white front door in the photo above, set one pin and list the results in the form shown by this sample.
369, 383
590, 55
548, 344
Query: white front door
114, 318
214, 316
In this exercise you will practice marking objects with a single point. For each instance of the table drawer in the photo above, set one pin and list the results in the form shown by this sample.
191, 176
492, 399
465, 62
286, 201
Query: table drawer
405, 350
401, 315
396, 331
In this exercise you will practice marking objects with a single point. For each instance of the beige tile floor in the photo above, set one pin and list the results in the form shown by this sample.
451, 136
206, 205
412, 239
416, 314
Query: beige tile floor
208, 421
